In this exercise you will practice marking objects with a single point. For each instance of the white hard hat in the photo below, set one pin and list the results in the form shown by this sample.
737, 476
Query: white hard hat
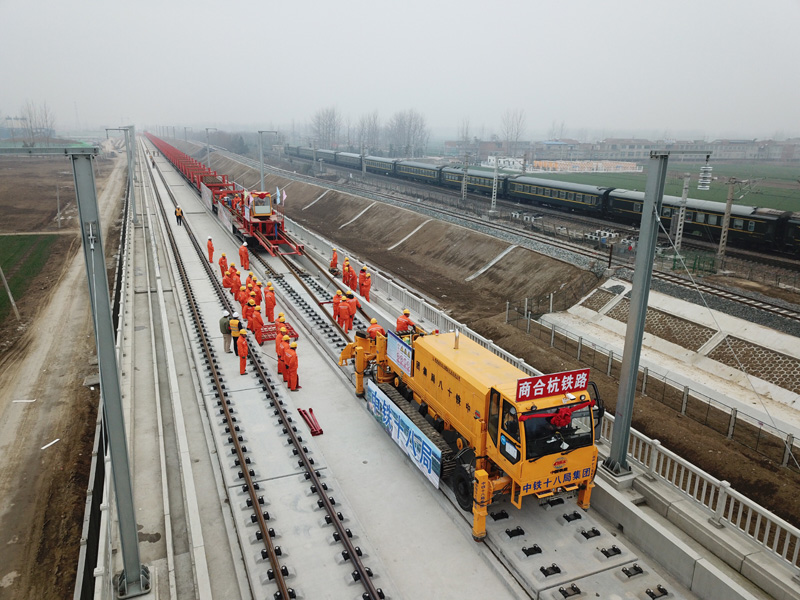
225, 313
235, 315
244, 244
209, 237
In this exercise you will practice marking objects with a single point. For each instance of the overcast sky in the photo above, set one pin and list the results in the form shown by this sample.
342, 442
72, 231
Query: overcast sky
700, 68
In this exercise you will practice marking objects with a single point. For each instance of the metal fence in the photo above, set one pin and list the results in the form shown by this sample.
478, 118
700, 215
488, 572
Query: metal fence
726, 507
771, 442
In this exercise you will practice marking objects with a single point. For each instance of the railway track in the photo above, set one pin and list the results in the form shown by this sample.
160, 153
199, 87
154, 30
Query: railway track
279, 572
576, 249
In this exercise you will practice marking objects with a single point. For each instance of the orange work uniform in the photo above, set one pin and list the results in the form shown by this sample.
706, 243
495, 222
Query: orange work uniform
256, 324
242, 345
244, 257
405, 324
352, 305
362, 277
290, 362
226, 280
334, 260
366, 287
281, 364
374, 329
337, 299
223, 264
269, 304
248, 312
344, 316
210, 246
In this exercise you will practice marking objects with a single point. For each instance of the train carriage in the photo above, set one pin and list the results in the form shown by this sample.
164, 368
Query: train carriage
328, 156
418, 171
477, 181
378, 164
306, 153
558, 194
348, 159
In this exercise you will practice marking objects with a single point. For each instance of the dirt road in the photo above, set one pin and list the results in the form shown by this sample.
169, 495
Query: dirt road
42, 399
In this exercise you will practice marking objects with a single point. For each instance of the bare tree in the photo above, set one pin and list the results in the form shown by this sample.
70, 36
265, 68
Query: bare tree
513, 128
326, 124
463, 131
39, 123
408, 133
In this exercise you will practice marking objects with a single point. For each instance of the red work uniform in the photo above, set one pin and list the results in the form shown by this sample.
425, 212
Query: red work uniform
269, 303
290, 361
366, 287
256, 324
242, 345
223, 264
344, 316
210, 246
374, 329
244, 257
334, 260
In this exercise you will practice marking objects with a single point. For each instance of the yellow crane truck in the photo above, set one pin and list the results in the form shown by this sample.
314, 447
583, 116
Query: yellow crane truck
491, 429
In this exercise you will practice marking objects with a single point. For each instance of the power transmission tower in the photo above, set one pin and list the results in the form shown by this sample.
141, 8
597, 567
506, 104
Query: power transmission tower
464, 180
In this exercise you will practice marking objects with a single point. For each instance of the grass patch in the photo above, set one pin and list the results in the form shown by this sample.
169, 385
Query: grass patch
22, 257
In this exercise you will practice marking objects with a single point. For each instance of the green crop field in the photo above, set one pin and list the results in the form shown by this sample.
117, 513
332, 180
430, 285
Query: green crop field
22, 257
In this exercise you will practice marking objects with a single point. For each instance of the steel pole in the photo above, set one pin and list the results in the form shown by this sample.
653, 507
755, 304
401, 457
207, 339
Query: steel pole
261, 160
617, 461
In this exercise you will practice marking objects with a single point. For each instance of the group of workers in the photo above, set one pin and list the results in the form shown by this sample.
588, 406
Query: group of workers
361, 281
251, 296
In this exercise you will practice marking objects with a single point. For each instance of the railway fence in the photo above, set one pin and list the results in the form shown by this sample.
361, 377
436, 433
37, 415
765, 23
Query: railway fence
769, 441
725, 506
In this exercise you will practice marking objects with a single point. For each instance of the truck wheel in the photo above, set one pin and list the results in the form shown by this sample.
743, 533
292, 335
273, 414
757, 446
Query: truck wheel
461, 482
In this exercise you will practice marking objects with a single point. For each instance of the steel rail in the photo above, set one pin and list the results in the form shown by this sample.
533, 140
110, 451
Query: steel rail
343, 534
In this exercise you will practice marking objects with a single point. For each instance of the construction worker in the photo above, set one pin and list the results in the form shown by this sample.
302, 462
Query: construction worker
249, 281
337, 299
249, 308
344, 316
285, 341
279, 317
334, 259
179, 215
366, 287
257, 325
210, 246
279, 333
362, 275
353, 305
290, 358
404, 322
242, 297
269, 303
346, 275
242, 343
254, 300
225, 330
223, 264
244, 256
226, 280
236, 282
374, 329
257, 290
236, 329
353, 279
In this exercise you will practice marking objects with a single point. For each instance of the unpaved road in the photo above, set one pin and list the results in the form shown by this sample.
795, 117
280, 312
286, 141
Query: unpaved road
42, 399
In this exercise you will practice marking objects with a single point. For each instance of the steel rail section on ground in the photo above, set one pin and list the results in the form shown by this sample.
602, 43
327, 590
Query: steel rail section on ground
343, 534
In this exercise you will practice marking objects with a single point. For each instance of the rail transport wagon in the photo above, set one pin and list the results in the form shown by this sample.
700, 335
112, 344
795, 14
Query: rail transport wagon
496, 431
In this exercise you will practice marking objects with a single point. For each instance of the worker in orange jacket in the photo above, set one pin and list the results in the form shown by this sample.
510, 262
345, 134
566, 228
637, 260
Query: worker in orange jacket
254, 300
285, 340
290, 360
244, 256
352, 306
344, 315
223, 264
334, 259
269, 303
404, 322
242, 297
257, 325
257, 290
210, 246
226, 280
249, 281
374, 329
366, 287
337, 299
362, 275
242, 345
236, 282
345, 275
279, 333
249, 308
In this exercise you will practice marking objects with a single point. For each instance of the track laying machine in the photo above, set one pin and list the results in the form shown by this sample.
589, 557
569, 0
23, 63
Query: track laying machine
470, 418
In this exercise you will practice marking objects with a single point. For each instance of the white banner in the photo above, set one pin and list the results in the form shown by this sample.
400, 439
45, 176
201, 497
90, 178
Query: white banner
224, 216
207, 196
401, 353
426, 456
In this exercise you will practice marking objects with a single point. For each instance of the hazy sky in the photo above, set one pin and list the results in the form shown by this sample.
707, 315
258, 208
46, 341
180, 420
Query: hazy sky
713, 68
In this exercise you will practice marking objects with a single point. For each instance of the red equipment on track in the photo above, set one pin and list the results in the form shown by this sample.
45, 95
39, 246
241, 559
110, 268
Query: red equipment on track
311, 421
249, 214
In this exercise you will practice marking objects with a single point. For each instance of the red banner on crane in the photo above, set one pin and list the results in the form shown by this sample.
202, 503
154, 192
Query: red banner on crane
543, 386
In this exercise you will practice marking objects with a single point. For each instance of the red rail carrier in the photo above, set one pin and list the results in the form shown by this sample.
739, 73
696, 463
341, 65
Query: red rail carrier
249, 214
